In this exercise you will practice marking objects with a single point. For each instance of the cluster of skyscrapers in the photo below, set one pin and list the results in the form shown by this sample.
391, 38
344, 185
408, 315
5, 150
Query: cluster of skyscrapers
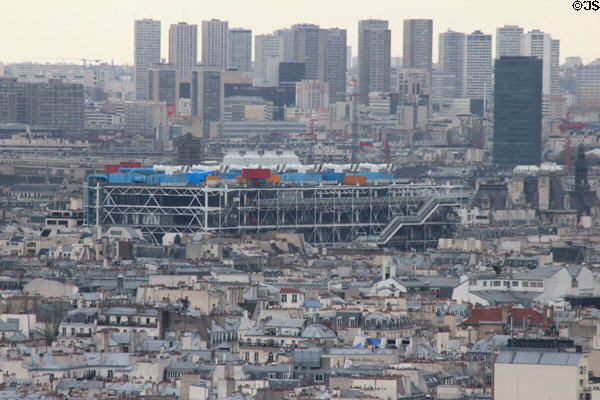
308, 67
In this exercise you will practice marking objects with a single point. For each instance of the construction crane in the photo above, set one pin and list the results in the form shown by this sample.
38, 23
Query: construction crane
386, 152
85, 60
355, 116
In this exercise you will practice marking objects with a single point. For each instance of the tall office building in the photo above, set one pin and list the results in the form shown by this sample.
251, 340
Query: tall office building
417, 44
517, 111
374, 57
163, 85
15, 103
323, 52
59, 105
215, 39
588, 85
452, 58
477, 76
183, 48
286, 45
53, 104
308, 48
541, 45
240, 49
348, 57
509, 41
208, 96
334, 60
146, 52
207, 93
266, 51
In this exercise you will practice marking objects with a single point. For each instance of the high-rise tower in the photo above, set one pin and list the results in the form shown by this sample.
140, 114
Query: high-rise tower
374, 57
146, 53
215, 40
183, 48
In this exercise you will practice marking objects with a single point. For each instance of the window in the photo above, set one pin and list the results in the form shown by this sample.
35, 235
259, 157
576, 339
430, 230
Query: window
294, 298
496, 283
581, 370
64, 331
515, 283
484, 283
247, 356
270, 356
72, 331
472, 281
284, 298
110, 374
505, 283
525, 284
574, 283
339, 321
352, 321
256, 356
319, 378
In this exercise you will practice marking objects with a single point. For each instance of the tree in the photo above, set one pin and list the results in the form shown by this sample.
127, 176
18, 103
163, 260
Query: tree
51, 316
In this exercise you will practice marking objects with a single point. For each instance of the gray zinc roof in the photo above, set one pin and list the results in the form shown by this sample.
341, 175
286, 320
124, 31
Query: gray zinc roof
538, 357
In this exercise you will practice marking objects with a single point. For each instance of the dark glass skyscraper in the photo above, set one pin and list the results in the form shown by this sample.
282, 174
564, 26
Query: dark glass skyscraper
517, 111
207, 96
290, 73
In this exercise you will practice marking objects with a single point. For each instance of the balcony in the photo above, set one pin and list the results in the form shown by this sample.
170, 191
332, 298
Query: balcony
128, 323
269, 344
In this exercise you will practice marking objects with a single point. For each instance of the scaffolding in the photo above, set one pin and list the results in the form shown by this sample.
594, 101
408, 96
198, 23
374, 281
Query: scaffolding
402, 215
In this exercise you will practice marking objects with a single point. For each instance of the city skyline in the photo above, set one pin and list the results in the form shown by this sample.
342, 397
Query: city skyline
67, 18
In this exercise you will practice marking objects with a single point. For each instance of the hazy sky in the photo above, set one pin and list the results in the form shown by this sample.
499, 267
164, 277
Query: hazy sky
57, 30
